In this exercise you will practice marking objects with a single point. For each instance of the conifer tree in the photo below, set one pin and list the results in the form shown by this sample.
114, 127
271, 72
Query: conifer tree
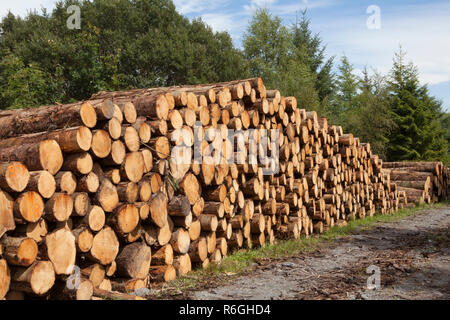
418, 134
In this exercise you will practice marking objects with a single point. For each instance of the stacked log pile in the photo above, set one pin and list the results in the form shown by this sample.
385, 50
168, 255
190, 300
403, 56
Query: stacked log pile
93, 203
421, 182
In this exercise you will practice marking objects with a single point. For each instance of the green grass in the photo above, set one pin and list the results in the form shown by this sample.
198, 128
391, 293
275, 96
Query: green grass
242, 261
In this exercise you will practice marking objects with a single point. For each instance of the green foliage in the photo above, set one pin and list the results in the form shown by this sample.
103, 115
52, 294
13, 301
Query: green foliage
344, 104
267, 45
22, 84
313, 55
418, 134
122, 44
371, 120
291, 60
361, 106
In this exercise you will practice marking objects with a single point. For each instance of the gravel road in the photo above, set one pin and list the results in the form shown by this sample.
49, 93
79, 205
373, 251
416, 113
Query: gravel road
413, 257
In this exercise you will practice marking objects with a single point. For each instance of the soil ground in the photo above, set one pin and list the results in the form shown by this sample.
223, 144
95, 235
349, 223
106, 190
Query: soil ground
413, 256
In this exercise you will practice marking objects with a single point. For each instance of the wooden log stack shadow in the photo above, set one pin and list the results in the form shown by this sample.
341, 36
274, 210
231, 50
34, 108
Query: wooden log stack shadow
91, 193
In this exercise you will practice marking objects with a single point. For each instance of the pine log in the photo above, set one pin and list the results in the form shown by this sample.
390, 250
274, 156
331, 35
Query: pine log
66, 182
182, 264
101, 144
28, 207
198, 250
191, 188
95, 273
107, 196
78, 163
163, 256
37, 279
134, 261
88, 183
95, 218
105, 247
19, 251
17, 122
59, 207
6, 212
127, 285
61, 251
14, 177
112, 295
158, 209
180, 241
165, 273
83, 239
209, 222
128, 192
42, 182
133, 167
179, 206
155, 236
125, 219
45, 155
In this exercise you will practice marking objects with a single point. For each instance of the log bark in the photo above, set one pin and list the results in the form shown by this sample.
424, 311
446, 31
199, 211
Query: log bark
17, 122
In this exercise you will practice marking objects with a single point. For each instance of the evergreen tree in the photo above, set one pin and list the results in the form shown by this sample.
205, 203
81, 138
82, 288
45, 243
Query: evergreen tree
344, 105
371, 119
418, 134
314, 56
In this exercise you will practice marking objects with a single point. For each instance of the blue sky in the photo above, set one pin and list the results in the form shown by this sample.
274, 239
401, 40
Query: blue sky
421, 27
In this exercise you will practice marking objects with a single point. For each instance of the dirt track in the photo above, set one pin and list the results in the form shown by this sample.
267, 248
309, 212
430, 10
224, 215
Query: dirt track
413, 257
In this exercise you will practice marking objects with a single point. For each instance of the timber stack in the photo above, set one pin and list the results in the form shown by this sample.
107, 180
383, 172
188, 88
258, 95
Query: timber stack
420, 182
94, 203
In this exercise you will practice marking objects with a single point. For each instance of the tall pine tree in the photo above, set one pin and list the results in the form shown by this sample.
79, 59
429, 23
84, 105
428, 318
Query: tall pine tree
418, 134
311, 45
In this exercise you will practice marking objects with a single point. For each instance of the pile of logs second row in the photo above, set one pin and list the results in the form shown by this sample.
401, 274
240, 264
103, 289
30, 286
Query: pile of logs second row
421, 182
92, 204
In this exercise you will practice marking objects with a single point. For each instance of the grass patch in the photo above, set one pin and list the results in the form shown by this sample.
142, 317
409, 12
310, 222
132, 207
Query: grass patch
242, 262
